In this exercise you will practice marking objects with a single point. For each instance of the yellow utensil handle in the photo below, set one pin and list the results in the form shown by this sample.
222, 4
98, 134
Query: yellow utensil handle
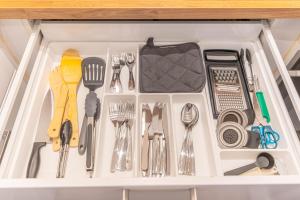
60, 103
73, 114
56, 141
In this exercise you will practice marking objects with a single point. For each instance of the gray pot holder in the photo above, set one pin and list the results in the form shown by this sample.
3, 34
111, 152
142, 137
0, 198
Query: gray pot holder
171, 68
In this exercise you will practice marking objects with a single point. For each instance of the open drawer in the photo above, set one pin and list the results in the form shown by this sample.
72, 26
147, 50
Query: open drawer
103, 39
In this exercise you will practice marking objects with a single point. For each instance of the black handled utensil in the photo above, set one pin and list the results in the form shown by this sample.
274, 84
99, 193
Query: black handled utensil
65, 137
93, 72
41, 138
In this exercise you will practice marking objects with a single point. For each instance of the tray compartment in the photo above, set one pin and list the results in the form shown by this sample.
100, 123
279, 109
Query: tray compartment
117, 49
49, 159
201, 133
106, 138
258, 66
234, 159
150, 99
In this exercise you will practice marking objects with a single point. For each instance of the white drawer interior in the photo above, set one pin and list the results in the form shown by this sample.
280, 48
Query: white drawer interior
211, 161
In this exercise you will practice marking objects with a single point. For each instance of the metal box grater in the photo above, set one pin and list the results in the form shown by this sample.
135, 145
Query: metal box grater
226, 81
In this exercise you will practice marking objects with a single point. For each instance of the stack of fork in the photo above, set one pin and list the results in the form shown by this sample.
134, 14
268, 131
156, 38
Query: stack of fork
122, 116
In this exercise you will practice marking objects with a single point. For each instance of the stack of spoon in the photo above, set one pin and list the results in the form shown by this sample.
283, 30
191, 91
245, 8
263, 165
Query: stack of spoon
189, 117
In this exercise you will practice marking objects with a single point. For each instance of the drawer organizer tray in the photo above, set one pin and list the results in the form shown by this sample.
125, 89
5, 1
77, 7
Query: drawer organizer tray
211, 161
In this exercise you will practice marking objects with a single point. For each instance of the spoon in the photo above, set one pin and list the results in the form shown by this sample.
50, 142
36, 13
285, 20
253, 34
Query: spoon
189, 117
263, 161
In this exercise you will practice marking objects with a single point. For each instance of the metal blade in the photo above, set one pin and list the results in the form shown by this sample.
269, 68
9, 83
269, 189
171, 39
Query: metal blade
44, 120
160, 120
146, 117
155, 118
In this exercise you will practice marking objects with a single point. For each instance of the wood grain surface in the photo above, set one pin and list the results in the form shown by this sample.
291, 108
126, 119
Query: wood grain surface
149, 9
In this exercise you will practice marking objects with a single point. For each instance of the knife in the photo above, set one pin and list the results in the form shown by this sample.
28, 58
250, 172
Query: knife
166, 140
157, 130
146, 122
162, 142
41, 138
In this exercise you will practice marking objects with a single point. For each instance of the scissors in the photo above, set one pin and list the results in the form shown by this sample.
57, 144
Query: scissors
268, 137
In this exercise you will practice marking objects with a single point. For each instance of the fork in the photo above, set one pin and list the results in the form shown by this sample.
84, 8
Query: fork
116, 114
130, 61
125, 144
115, 84
129, 124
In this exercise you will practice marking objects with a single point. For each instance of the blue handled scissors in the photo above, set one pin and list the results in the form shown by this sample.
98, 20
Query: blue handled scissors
268, 137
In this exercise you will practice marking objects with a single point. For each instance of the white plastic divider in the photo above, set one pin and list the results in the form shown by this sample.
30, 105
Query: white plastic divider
209, 157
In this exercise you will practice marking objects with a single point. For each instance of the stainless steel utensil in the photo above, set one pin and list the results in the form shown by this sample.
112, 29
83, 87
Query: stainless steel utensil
263, 161
189, 117
146, 122
154, 143
117, 115
166, 135
123, 115
159, 157
65, 137
115, 84
129, 123
130, 62
41, 138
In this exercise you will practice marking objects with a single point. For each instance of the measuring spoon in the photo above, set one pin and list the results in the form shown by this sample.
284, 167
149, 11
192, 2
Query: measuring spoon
263, 161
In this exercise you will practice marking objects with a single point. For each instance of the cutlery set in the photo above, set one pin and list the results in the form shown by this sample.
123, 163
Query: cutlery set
154, 150
118, 62
189, 117
230, 96
122, 115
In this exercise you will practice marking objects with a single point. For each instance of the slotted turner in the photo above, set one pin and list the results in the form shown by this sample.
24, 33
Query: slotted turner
93, 72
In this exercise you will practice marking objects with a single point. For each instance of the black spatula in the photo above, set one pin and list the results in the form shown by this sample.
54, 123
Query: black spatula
93, 73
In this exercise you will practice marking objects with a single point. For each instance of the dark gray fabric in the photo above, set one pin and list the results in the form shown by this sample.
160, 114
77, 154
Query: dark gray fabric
172, 68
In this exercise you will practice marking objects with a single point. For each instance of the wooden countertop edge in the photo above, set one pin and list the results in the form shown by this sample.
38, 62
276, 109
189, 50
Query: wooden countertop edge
148, 13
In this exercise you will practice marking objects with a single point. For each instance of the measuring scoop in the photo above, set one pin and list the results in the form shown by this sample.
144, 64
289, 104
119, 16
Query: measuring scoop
263, 161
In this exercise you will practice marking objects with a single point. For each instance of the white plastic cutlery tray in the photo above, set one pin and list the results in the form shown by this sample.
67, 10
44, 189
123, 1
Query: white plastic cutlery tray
107, 39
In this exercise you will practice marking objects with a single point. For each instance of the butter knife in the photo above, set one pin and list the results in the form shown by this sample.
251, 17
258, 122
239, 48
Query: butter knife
146, 122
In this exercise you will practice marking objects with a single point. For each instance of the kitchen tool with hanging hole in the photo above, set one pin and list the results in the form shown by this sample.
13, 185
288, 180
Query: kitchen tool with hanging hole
226, 81
71, 73
93, 70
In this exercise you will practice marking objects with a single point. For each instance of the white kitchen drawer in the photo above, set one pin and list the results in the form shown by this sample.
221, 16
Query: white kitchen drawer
106, 38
